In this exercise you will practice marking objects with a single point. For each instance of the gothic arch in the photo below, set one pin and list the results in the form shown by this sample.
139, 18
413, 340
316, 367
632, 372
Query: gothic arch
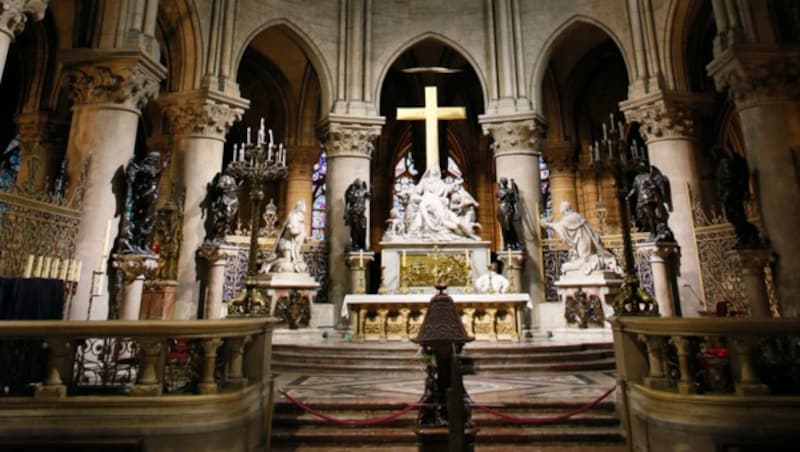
179, 25
416, 40
554, 40
306, 44
676, 59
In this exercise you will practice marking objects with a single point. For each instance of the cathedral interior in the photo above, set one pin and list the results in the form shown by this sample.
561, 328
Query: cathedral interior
222, 219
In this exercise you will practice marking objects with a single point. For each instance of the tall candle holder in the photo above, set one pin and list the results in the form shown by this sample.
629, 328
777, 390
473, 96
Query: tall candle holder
632, 299
258, 164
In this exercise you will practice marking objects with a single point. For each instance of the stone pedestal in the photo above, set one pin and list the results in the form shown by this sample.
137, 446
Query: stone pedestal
158, 300
585, 300
357, 262
664, 258
134, 268
216, 256
755, 289
512, 268
290, 296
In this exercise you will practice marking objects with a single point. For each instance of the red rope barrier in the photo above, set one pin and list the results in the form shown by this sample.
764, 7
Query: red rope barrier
545, 420
350, 422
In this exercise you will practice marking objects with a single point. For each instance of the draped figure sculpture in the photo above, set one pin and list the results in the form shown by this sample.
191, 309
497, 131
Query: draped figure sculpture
141, 180
508, 213
586, 251
287, 256
355, 213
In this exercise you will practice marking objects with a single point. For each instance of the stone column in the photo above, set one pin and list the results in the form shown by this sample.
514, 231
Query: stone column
767, 97
669, 124
298, 182
12, 22
349, 147
517, 140
562, 175
752, 263
358, 263
216, 257
109, 90
134, 269
200, 121
42, 142
662, 266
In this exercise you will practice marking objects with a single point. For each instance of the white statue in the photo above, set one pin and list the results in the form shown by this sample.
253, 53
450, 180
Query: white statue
287, 256
492, 282
586, 250
434, 210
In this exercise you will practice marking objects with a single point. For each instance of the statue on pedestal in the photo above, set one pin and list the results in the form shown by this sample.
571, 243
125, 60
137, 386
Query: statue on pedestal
355, 201
732, 178
586, 251
653, 202
508, 213
287, 256
221, 206
141, 180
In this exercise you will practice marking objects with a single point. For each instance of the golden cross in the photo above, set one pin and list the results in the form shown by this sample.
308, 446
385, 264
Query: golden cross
431, 113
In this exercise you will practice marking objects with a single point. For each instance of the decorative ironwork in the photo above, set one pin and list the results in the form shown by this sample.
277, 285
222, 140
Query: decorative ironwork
584, 309
270, 228
167, 238
105, 364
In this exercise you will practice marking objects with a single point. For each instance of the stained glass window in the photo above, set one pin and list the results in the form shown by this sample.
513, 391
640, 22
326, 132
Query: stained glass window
544, 177
9, 164
405, 176
319, 203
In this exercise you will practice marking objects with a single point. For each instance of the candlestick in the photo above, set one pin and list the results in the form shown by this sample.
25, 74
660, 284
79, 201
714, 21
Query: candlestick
605, 132
488, 258
248, 135
271, 140
466, 259
403, 262
29, 266
508, 256
361, 259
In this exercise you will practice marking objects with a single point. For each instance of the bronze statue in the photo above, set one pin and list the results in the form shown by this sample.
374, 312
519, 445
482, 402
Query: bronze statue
732, 178
508, 213
355, 201
653, 202
221, 206
141, 180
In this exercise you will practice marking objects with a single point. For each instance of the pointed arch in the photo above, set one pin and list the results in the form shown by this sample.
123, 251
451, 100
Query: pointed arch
376, 90
555, 39
309, 48
179, 24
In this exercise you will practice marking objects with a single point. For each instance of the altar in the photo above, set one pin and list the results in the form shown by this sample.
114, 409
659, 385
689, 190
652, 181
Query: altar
398, 317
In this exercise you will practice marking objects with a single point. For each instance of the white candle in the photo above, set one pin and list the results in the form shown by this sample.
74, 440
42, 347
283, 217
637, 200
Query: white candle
361, 259
46, 267
248, 135
65, 269
37, 267
605, 132
404, 258
29, 266
104, 249
235, 152
271, 139
76, 274
54, 267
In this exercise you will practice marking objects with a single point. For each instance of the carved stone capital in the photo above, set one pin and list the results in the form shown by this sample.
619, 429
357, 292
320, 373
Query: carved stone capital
133, 266
40, 129
757, 76
667, 115
13, 14
559, 157
514, 135
203, 114
216, 254
351, 138
114, 82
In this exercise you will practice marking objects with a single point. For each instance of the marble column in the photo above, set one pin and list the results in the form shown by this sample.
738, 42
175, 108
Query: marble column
517, 141
108, 95
43, 140
561, 165
670, 126
662, 267
767, 98
200, 121
298, 181
216, 257
349, 146
134, 268
13, 16
753, 263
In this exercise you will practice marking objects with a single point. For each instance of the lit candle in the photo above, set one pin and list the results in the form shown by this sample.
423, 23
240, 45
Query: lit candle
403, 263
37, 267
248, 135
360, 258
65, 269
235, 152
271, 139
605, 132
29, 266
46, 267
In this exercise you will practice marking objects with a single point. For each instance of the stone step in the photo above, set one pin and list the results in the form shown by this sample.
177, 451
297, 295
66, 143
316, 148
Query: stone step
382, 408
405, 348
502, 356
479, 368
479, 418
493, 447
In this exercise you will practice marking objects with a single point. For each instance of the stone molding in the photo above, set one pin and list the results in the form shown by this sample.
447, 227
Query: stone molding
13, 14
514, 136
129, 84
351, 139
756, 76
667, 115
134, 266
203, 117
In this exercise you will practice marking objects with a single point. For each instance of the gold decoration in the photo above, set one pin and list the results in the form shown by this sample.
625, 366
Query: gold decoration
427, 269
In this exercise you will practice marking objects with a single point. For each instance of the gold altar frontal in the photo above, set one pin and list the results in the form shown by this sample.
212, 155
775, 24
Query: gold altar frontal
398, 317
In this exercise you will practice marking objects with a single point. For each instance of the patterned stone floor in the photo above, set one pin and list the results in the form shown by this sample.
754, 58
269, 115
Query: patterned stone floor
482, 388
